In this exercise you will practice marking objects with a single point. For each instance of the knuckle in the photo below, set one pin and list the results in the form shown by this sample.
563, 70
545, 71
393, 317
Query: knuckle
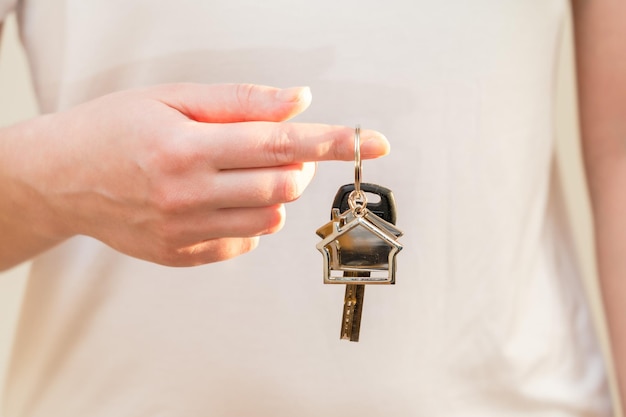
210, 251
292, 183
168, 153
168, 159
166, 237
167, 254
183, 257
282, 147
245, 245
342, 148
227, 248
244, 94
249, 244
166, 202
290, 186
167, 234
169, 200
273, 219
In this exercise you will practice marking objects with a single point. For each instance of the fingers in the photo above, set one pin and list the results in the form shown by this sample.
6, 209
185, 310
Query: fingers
261, 187
261, 144
235, 222
229, 103
221, 235
252, 203
249, 222
213, 250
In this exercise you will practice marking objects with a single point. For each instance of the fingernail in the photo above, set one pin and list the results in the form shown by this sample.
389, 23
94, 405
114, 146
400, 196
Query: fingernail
374, 144
294, 94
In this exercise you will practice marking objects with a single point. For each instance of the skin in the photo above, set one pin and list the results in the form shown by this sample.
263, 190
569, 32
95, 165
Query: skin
178, 174
600, 37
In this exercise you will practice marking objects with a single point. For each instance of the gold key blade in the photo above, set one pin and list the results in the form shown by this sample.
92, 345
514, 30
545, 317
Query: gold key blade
352, 309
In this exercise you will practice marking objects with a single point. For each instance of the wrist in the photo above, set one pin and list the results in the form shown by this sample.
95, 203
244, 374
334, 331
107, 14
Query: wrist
27, 182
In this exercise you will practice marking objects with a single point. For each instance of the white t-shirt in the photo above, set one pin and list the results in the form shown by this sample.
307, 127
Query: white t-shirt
487, 318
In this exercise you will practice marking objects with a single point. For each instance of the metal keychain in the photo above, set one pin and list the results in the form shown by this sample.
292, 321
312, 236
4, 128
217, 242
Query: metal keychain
359, 245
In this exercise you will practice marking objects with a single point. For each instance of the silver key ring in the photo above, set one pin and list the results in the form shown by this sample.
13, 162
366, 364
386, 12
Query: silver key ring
357, 199
357, 159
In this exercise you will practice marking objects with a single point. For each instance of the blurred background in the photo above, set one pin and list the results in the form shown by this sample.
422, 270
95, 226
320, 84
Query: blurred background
17, 103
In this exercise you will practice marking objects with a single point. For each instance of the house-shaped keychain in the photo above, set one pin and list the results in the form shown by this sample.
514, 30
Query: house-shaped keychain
362, 244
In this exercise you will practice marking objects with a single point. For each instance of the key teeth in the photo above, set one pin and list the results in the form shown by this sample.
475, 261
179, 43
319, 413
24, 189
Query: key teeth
352, 312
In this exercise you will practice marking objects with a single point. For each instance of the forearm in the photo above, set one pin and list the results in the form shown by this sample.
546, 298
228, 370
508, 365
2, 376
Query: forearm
607, 182
26, 223
600, 30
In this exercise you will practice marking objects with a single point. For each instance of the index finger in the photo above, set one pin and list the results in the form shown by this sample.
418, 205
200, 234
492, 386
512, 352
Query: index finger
267, 144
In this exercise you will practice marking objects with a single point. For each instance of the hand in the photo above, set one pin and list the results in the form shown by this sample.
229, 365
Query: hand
176, 174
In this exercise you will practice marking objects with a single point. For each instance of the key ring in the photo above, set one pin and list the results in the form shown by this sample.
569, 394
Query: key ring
357, 159
357, 199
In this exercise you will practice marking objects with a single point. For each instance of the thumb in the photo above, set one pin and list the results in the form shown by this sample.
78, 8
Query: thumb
231, 103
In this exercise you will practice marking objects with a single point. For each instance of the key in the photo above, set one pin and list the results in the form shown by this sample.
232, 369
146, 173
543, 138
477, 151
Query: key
355, 293
360, 242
